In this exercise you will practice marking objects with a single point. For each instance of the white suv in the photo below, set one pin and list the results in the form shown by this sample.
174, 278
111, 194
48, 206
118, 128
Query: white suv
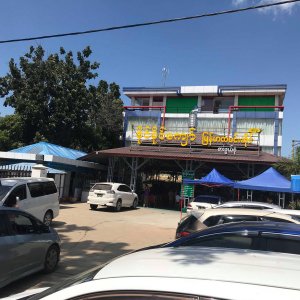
116, 195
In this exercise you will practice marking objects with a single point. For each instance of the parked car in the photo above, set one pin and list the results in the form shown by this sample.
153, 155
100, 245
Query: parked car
248, 204
295, 214
115, 195
27, 245
210, 217
187, 273
37, 196
203, 202
264, 236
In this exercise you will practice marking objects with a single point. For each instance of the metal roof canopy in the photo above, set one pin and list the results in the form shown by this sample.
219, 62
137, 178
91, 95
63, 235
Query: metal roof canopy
172, 158
52, 156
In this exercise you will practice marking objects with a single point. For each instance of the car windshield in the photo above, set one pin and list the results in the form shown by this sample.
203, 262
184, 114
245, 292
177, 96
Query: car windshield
4, 189
102, 186
207, 199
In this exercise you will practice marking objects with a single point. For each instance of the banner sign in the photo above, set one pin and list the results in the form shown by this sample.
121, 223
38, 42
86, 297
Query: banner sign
207, 138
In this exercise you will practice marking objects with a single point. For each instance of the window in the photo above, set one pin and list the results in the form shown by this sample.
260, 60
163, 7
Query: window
49, 188
127, 189
207, 199
158, 100
226, 241
142, 101
103, 187
283, 245
124, 188
19, 191
271, 219
191, 223
217, 104
216, 220
3, 225
21, 224
36, 189
140, 295
236, 218
207, 104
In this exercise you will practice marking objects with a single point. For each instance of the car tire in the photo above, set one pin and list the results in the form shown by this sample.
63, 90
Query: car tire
134, 203
118, 205
51, 259
93, 206
48, 217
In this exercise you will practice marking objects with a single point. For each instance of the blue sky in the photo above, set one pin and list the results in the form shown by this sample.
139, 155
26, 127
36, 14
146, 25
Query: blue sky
257, 47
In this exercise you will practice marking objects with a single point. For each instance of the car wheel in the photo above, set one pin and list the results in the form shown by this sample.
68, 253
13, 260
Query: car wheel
118, 205
93, 206
51, 259
135, 203
48, 218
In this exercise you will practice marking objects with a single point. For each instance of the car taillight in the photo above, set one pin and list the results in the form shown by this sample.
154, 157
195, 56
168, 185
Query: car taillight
189, 206
182, 234
110, 192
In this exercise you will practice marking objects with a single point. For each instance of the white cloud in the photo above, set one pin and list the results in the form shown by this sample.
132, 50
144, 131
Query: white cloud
275, 10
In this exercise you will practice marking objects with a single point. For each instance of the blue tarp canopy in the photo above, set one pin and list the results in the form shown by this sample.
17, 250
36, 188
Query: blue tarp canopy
213, 178
270, 181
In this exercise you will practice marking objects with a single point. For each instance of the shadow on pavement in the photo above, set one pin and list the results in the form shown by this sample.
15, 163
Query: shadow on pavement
76, 257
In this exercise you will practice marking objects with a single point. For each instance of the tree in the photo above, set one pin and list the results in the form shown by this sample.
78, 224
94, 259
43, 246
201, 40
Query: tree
291, 166
10, 133
54, 100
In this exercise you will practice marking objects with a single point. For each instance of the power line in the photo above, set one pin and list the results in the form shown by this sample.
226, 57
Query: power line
149, 23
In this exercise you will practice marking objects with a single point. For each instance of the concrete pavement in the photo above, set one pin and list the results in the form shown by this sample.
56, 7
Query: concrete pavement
90, 238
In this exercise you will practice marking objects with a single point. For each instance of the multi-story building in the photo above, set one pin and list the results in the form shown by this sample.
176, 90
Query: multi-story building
223, 110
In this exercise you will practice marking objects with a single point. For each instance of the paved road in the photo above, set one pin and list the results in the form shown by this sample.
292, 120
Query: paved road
90, 238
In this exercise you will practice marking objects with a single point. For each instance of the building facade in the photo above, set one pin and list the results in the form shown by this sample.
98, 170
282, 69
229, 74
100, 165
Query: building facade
224, 110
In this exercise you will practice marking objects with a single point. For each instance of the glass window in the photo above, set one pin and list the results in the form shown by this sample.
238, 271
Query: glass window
19, 191
21, 224
226, 241
36, 189
103, 187
158, 100
207, 104
142, 101
124, 188
222, 104
236, 218
283, 245
49, 188
3, 225
271, 219
207, 199
4, 189
212, 221
140, 295
127, 189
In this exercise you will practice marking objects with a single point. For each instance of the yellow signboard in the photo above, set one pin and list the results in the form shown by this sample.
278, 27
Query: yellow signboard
207, 138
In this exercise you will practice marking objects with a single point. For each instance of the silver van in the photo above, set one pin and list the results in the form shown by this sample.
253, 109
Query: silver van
38, 196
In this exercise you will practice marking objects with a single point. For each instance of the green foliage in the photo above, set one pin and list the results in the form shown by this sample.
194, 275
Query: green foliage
294, 205
54, 101
289, 167
10, 133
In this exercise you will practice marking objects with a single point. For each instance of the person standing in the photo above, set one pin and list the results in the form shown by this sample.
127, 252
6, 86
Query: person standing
146, 196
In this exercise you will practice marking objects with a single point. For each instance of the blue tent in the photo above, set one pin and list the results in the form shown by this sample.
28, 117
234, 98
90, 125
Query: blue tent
213, 178
270, 181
